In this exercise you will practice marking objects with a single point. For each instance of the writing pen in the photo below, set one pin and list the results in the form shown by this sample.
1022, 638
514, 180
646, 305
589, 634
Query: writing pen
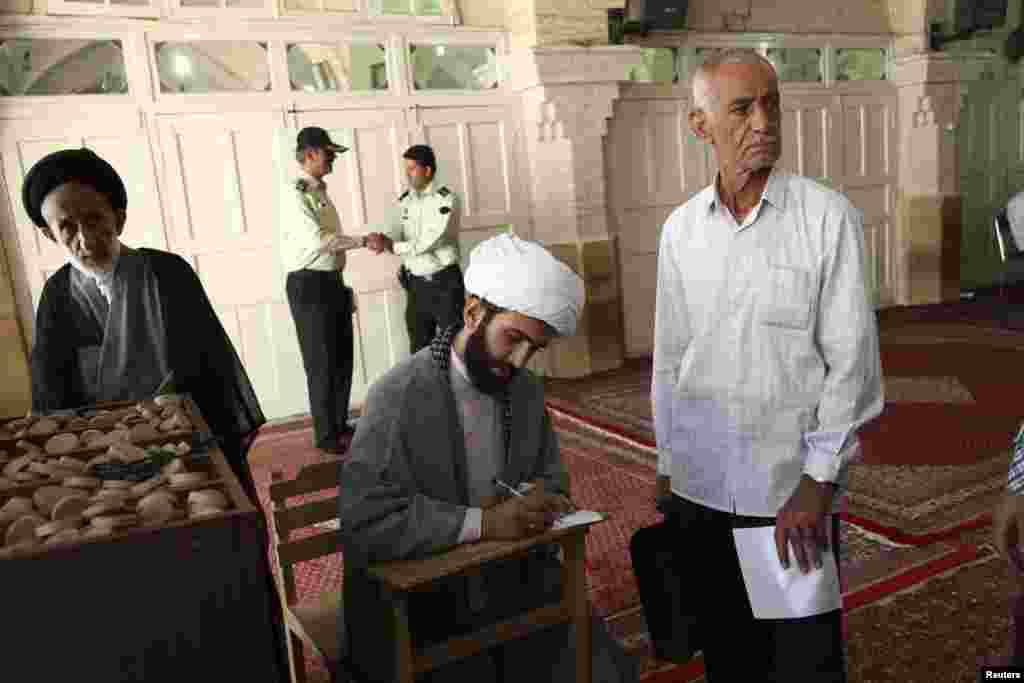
518, 493
514, 492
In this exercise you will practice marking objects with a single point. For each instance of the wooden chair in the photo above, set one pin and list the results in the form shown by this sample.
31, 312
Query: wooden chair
314, 623
317, 623
400, 578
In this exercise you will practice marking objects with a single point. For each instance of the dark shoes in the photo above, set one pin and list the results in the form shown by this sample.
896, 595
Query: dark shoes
341, 446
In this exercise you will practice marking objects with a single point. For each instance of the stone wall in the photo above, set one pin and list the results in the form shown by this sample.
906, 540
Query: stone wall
15, 390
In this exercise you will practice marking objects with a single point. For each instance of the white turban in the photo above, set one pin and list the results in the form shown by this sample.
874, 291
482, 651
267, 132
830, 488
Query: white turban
524, 277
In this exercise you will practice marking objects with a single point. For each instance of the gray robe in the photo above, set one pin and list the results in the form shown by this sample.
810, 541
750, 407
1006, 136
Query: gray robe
404, 494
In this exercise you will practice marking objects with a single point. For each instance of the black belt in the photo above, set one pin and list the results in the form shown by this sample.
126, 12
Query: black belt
316, 272
433, 276
677, 506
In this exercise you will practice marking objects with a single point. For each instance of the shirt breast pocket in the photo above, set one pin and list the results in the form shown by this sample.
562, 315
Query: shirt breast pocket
787, 299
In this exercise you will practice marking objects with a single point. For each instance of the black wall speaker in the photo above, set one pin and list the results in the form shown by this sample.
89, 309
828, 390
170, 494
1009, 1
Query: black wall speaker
658, 15
980, 15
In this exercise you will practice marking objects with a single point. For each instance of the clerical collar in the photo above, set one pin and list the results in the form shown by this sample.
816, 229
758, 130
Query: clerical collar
104, 281
460, 365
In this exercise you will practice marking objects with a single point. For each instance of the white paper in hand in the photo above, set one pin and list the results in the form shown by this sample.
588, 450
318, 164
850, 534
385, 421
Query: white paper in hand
577, 518
777, 593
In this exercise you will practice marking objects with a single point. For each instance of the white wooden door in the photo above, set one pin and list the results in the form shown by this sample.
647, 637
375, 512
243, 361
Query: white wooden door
809, 137
120, 138
477, 149
653, 164
846, 141
867, 176
219, 177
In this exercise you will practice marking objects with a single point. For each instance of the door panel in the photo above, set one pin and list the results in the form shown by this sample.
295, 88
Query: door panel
220, 181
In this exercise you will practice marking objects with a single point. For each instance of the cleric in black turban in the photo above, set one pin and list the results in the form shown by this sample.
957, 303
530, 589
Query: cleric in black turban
115, 322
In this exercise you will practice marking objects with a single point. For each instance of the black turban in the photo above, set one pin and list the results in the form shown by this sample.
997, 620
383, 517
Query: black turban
81, 165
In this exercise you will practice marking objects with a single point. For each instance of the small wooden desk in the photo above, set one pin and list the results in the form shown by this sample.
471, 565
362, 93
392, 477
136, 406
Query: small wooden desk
403, 577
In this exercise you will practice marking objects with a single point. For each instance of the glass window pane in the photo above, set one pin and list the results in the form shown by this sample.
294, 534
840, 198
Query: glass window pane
860, 64
658, 65
396, 6
342, 67
30, 66
454, 67
212, 66
428, 8
801, 64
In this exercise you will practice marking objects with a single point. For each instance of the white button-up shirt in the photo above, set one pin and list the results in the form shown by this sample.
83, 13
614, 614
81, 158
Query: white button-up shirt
766, 356
425, 230
310, 222
1015, 215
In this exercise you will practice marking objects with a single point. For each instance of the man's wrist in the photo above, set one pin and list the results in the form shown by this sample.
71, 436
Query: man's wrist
472, 526
822, 483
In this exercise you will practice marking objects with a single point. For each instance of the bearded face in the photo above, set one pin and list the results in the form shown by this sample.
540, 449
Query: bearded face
488, 374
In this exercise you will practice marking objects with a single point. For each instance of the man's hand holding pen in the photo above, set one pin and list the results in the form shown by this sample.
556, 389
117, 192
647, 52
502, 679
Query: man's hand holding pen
523, 514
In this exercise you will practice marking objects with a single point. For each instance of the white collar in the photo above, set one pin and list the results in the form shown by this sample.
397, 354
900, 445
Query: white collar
317, 183
460, 366
104, 281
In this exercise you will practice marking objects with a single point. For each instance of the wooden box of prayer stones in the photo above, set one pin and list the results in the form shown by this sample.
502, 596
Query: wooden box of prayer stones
109, 472
129, 551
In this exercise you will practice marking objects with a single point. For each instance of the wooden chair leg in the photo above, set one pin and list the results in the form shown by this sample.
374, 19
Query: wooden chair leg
574, 582
296, 658
403, 640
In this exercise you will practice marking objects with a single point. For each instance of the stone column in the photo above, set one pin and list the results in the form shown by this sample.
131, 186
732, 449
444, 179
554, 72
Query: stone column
928, 202
15, 389
567, 95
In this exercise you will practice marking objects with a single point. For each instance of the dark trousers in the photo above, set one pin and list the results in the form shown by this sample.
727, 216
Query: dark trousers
711, 593
322, 313
434, 303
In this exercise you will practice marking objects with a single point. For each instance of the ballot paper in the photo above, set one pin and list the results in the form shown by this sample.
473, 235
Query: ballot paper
777, 593
577, 518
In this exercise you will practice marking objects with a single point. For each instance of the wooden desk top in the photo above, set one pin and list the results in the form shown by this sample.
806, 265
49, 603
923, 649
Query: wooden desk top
407, 575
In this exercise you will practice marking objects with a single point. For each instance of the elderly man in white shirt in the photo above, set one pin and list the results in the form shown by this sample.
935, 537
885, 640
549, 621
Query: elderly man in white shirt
314, 247
766, 363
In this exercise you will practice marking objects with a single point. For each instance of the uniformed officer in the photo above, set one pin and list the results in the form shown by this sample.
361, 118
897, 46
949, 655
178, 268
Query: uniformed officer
314, 247
424, 232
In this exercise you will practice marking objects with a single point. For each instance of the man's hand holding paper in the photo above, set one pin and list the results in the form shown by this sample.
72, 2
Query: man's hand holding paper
803, 522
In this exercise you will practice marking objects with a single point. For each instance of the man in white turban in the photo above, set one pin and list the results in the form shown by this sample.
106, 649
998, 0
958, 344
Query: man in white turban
443, 435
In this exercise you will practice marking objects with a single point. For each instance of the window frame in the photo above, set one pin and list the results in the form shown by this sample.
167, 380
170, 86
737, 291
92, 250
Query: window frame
106, 8
432, 40
392, 69
130, 47
155, 36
